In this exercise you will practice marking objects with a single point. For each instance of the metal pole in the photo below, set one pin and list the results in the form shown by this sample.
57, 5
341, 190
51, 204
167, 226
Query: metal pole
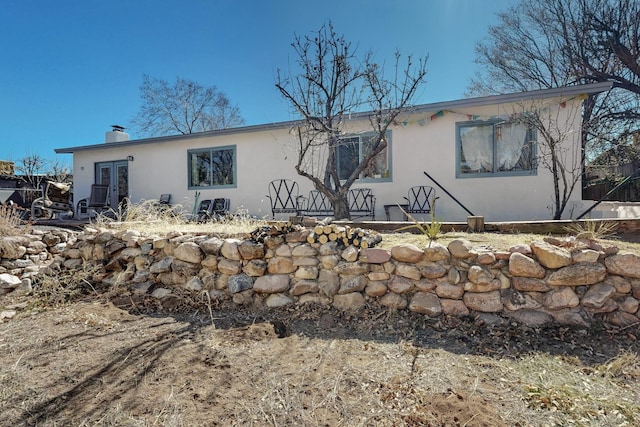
613, 190
194, 212
449, 194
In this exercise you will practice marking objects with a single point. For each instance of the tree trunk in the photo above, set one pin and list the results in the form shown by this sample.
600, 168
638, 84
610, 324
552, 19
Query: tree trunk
341, 207
557, 211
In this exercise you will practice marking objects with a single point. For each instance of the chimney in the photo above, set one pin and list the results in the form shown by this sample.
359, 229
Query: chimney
117, 134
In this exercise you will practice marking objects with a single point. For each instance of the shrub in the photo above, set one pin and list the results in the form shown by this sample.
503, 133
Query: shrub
430, 229
592, 230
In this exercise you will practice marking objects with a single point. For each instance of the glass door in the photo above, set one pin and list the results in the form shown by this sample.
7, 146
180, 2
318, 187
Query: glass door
116, 176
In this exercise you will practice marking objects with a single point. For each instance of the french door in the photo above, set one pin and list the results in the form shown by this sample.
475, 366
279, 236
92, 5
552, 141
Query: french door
116, 176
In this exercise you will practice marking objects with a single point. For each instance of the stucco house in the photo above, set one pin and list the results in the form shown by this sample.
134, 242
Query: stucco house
471, 147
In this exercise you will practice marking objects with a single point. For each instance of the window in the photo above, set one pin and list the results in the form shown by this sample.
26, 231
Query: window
212, 167
353, 149
495, 148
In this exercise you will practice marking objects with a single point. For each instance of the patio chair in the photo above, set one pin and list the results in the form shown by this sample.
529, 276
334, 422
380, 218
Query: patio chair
164, 199
283, 194
420, 199
316, 204
213, 209
163, 203
95, 203
362, 203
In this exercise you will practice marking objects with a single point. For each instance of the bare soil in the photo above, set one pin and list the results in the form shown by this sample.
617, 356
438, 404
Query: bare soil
117, 359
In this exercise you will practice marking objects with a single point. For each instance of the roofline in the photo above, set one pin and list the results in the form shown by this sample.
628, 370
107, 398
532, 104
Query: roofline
567, 91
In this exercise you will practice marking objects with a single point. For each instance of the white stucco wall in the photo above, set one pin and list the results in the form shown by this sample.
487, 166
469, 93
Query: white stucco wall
418, 145
621, 210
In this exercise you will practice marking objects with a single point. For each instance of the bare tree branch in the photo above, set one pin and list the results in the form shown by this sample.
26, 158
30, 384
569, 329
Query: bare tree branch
182, 108
331, 83
552, 43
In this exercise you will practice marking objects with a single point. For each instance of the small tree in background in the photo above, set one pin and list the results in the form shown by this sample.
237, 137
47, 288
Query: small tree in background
182, 108
556, 151
333, 83
59, 172
32, 169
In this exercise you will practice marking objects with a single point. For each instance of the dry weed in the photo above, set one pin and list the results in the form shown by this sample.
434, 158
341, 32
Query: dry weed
575, 395
592, 230
56, 288
149, 217
11, 220
625, 366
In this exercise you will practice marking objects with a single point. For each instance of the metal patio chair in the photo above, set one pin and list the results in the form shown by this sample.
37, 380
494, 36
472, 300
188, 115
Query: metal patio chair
362, 203
420, 199
213, 209
283, 194
164, 199
97, 201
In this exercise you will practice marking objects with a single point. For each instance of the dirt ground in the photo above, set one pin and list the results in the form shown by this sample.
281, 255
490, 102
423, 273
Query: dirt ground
124, 360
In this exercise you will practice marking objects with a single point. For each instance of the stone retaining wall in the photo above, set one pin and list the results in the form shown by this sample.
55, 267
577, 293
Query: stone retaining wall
564, 281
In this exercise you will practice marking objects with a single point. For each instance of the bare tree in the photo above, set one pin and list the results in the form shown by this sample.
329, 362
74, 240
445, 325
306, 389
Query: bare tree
551, 43
32, 169
183, 108
333, 83
557, 152
59, 172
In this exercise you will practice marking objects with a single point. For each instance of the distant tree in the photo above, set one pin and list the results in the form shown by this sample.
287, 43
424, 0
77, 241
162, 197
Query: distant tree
183, 108
32, 169
36, 169
332, 82
552, 43
59, 172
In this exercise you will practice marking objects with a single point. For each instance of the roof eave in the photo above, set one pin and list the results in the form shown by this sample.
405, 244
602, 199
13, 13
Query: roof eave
565, 91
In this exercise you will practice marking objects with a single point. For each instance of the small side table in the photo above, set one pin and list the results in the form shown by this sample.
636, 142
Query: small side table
387, 209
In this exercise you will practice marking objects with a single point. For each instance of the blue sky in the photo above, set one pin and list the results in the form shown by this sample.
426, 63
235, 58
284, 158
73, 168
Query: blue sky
72, 68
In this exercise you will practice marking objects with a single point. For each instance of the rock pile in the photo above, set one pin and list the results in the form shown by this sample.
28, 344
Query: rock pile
564, 281
24, 256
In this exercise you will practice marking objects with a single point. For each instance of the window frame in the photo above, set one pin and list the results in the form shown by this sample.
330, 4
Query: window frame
532, 139
361, 144
210, 151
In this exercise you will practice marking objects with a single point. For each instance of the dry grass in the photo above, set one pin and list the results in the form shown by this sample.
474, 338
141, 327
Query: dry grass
582, 396
61, 287
151, 218
393, 382
495, 241
252, 378
11, 222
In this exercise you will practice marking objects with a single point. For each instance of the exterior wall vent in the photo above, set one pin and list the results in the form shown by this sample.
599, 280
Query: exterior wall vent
117, 134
